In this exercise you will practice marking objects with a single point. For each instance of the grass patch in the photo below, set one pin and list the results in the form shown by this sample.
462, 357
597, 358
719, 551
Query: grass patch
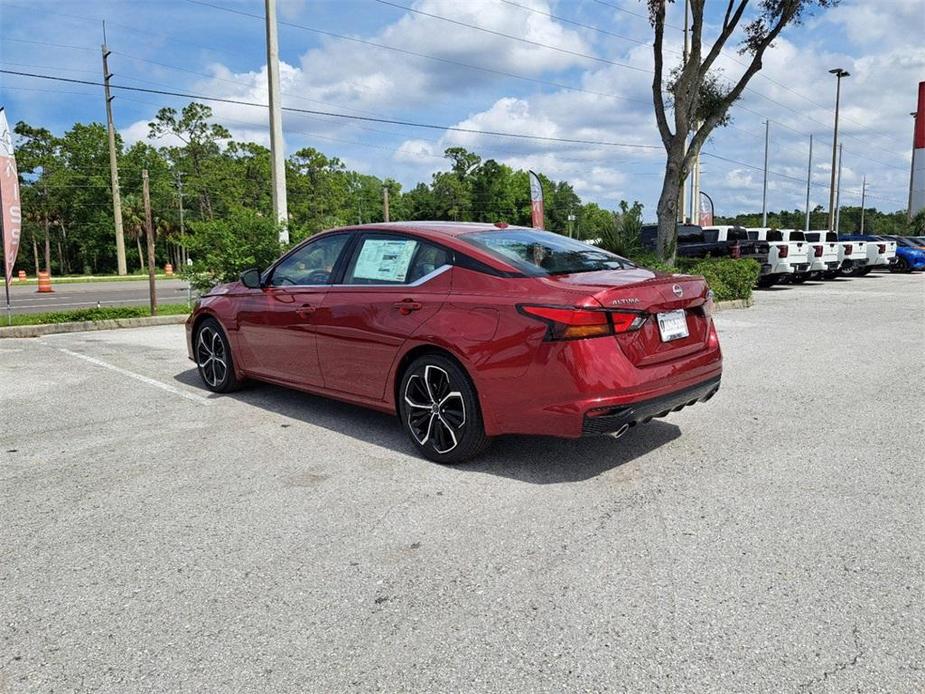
87, 279
96, 314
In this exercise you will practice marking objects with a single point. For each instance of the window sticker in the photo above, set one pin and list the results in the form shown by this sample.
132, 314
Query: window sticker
386, 260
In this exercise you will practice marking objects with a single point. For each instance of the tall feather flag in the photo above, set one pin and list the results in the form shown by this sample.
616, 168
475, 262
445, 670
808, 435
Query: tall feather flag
536, 201
9, 198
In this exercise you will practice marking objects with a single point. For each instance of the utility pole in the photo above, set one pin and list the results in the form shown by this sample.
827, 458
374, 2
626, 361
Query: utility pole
764, 189
149, 233
838, 194
113, 163
571, 223
809, 179
839, 73
385, 203
863, 198
277, 147
179, 177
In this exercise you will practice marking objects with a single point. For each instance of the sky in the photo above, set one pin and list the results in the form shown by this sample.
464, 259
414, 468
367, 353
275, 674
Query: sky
573, 69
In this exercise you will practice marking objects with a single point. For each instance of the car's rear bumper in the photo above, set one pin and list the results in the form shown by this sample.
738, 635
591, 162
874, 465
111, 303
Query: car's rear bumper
613, 419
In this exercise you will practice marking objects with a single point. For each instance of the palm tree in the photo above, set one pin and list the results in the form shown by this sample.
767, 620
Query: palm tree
133, 220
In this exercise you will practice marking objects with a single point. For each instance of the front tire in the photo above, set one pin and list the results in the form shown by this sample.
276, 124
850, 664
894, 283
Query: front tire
439, 410
900, 266
213, 357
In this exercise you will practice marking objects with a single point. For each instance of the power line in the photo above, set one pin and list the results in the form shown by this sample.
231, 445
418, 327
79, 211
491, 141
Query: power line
347, 116
512, 37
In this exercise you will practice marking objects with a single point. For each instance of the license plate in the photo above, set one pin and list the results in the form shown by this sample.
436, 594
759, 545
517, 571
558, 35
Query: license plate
672, 325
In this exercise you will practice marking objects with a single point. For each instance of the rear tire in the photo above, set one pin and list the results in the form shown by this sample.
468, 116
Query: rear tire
440, 412
213, 357
800, 279
765, 282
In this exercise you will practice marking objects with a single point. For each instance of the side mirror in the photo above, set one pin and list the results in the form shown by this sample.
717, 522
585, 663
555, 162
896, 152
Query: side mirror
251, 278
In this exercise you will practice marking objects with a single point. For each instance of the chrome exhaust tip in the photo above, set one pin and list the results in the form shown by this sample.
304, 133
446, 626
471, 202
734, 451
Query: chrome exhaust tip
622, 430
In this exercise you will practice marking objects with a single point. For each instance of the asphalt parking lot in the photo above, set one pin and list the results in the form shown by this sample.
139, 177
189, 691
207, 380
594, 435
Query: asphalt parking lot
154, 537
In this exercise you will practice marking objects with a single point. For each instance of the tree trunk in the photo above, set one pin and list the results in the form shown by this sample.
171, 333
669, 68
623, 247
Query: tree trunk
141, 257
667, 237
47, 247
35, 252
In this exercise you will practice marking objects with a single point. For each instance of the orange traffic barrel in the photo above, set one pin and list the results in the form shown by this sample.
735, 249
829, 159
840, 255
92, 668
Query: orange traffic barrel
44, 283
168, 270
22, 275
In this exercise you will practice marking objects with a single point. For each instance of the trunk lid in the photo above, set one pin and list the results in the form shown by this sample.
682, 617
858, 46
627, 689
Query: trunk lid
651, 293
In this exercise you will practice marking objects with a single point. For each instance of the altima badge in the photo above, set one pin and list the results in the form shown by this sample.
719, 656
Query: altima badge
677, 290
631, 300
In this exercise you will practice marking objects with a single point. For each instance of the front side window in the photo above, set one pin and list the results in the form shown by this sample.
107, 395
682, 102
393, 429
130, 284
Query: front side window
537, 252
312, 264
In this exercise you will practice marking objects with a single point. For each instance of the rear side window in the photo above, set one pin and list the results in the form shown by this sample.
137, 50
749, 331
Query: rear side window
710, 235
753, 235
397, 260
690, 234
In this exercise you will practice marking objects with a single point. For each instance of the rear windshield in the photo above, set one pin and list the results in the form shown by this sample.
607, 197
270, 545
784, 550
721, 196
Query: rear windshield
774, 235
737, 234
797, 236
535, 252
817, 236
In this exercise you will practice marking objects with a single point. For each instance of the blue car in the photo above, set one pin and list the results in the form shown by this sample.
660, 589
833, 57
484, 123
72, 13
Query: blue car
909, 254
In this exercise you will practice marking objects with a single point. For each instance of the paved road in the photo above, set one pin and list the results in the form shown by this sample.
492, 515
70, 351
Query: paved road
25, 299
156, 538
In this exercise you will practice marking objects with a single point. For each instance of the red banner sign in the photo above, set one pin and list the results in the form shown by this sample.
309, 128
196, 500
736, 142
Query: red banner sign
9, 198
536, 201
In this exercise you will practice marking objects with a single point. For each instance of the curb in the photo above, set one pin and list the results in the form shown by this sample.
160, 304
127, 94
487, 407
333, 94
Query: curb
733, 304
82, 326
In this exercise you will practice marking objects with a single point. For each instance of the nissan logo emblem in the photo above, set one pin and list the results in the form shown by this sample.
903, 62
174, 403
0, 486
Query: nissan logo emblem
677, 290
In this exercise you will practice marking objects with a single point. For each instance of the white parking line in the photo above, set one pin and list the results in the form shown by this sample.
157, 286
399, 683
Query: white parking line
138, 377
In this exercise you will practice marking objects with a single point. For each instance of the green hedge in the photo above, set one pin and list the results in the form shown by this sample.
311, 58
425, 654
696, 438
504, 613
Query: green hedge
729, 279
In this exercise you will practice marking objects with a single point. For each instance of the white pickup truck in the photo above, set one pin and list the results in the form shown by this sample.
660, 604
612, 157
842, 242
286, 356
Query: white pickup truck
786, 258
822, 256
852, 255
881, 253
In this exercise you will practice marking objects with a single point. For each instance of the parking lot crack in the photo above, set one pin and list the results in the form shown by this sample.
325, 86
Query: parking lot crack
839, 666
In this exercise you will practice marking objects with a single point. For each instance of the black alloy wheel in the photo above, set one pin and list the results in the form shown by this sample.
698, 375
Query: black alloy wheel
439, 410
213, 357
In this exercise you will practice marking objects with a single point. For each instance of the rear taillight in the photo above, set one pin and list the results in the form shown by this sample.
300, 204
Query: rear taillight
848, 249
570, 323
713, 338
783, 251
817, 251
881, 248
735, 251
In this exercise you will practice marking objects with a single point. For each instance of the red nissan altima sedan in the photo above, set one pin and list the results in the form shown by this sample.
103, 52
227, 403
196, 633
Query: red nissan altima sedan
466, 331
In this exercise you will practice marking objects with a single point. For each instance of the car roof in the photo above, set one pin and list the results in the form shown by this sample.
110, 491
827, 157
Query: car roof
435, 228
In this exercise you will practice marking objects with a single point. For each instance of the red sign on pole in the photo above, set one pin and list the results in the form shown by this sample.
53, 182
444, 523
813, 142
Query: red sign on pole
9, 198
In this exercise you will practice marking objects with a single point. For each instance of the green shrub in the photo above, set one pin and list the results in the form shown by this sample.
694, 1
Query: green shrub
651, 261
729, 279
222, 249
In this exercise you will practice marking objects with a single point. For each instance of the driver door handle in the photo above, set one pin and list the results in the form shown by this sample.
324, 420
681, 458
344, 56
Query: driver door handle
406, 306
305, 311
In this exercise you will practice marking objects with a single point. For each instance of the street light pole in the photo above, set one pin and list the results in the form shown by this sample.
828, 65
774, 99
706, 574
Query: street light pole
809, 179
839, 73
863, 198
838, 194
764, 190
